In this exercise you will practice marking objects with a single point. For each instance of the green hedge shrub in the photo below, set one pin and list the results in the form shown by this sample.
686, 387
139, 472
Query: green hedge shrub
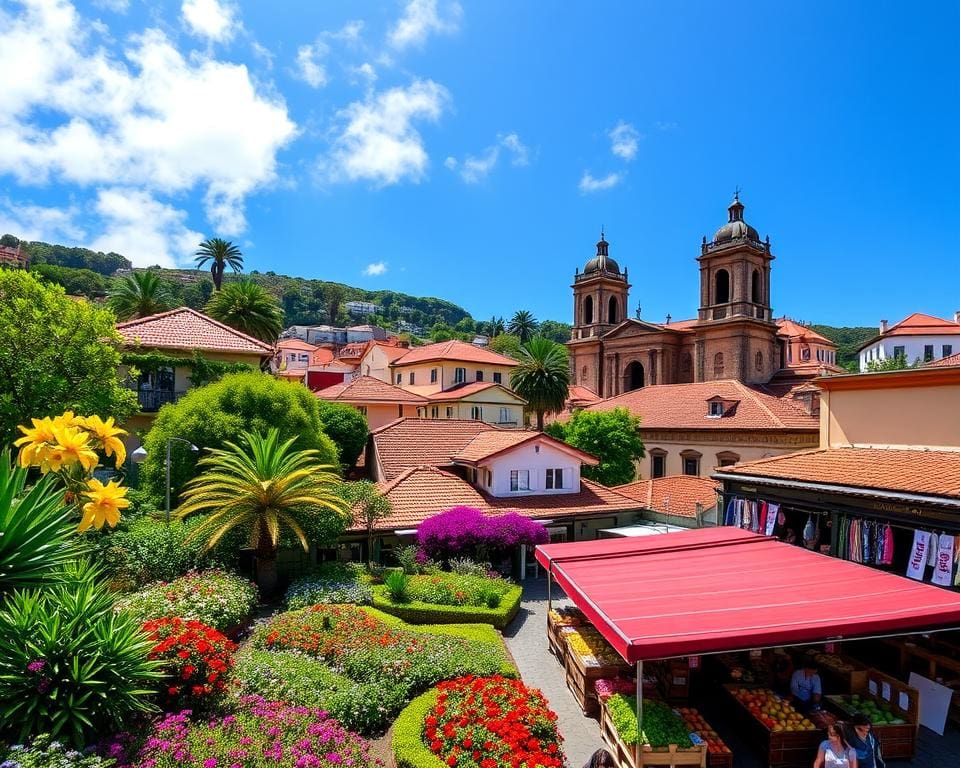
409, 749
416, 612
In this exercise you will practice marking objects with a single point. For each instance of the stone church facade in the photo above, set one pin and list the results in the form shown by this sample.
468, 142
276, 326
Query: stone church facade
734, 335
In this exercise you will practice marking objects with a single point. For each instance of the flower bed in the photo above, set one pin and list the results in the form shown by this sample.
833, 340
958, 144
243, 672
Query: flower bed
491, 722
219, 599
196, 660
330, 583
364, 648
260, 734
419, 612
43, 752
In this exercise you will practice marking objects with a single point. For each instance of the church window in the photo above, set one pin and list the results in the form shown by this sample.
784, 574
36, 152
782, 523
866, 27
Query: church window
583, 374
658, 462
759, 360
718, 364
612, 313
755, 287
588, 310
721, 294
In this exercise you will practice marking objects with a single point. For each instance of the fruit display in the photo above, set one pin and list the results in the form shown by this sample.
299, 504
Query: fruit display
661, 725
776, 713
567, 617
696, 724
836, 663
880, 713
743, 671
592, 649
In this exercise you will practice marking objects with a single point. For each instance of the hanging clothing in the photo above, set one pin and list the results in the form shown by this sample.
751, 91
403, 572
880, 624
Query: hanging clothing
887, 546
917, 563
763, 517
943, 570
932, 550
730, 514
773, 510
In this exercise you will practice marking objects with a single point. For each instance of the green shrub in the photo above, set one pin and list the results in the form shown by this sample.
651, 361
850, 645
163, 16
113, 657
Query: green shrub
457, 589
219, 599
44, 752
397, 584
330, 583
407, 557
211, 415
409, 749
366, 708
347, 427
428, 613
464, 566
69, 666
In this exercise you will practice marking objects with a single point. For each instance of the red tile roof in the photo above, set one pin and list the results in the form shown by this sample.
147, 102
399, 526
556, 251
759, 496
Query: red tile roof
944, 362
919, 324
578, 395
295, 345
423, 491
321, 356
407, 442
354, 350
925, 472
391, 350
684, 406
488, 444
793, 329
675, 495
187, 329
460, 391
367, 389
455, 351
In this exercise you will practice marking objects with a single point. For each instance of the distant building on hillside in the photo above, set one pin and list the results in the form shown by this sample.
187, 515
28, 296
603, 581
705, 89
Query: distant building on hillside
336, 336
917, 337
14, 257
361, 307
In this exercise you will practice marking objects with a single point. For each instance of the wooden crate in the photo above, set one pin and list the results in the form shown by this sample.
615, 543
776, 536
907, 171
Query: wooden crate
581, 678
633, 756
784, 749
844, 682
719, 759
674, 678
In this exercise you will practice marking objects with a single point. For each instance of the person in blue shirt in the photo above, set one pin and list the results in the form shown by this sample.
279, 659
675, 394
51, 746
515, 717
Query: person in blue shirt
865, 742
805, 688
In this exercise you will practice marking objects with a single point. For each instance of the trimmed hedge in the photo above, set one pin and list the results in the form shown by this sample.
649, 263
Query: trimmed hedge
416, 612
409, 750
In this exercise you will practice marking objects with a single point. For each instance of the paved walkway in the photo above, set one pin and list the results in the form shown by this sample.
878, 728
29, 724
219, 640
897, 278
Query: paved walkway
526, 638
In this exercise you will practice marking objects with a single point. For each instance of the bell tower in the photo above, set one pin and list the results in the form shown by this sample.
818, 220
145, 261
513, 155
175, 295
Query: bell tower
600, 296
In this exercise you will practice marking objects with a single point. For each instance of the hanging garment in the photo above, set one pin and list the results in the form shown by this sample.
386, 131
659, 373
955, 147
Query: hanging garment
773, 510
932, 550
729, 515
943, 570
887, 545
762, 528
866, 534
808, 531
917, 563
755, 516
956, 558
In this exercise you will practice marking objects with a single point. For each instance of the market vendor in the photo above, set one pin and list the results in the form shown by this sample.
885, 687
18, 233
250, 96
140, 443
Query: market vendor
805, 688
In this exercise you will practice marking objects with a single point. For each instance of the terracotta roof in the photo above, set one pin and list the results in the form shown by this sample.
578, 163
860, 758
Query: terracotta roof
493, 442
295, 344
675, 495
321, 356
409, 442
454, 350
925, 472
354, 350
423, 491
793, 329
917, 324
944, 362
684, 406
367, 389
577, 395
460, 391
185, 328
680, 325
392, 351
291, 373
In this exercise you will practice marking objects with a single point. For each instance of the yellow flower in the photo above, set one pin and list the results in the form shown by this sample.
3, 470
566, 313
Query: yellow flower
72, 447
105, 504
109, 437
68, 419
34, 443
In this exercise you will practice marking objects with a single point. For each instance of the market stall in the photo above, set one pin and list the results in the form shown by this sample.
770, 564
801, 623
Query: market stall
723, 590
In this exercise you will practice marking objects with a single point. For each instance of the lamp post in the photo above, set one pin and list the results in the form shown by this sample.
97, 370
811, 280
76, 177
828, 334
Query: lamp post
141, 453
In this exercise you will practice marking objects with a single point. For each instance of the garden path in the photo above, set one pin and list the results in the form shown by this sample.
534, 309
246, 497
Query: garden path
526, 638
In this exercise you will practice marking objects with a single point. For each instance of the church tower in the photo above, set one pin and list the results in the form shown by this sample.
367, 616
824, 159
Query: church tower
599, 303
737, 338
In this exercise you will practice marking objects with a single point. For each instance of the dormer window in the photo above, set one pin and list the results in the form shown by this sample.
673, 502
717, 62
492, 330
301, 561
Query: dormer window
716, 409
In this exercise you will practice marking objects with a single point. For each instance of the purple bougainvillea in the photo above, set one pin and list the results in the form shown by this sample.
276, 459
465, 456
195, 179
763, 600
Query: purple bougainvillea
465, 531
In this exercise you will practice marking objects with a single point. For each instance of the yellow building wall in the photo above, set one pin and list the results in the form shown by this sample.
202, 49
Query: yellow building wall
446, 373
709, 451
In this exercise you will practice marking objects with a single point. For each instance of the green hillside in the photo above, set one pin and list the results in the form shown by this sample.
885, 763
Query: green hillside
848, 341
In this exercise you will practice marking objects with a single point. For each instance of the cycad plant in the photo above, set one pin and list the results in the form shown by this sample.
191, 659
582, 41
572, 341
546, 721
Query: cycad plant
262, 485
219, 254
249, 308
139, 294
543, 377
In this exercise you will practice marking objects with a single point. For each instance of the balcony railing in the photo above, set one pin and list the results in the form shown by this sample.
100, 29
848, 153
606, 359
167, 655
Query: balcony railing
152, 399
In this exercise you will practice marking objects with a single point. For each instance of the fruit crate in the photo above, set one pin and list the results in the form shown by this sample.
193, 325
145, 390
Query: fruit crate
674, 677
556, 643
784, 749
581, 677
633, 756
842, 673
718, 753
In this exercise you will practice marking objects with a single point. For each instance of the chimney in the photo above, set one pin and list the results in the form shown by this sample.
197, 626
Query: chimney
883, 326
956, 317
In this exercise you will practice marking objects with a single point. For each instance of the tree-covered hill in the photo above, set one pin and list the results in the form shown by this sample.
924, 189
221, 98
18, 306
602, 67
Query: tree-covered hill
848, 341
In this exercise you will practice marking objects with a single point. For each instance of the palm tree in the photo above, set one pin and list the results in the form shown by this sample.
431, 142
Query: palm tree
261, 485
523, 324
249, 308
496, 326
543, 377
140, 294
221, 254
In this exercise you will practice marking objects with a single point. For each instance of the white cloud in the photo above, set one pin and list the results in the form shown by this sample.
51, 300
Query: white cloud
365, 71
376, 269
152, 120
474, 169
311, 69
143, 229
212, 19
624, 139
35, 222
117, 6
263, 53
349, 32
590, 184
420, 19
378, 141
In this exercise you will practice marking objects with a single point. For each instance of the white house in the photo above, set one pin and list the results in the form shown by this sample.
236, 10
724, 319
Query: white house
917, 337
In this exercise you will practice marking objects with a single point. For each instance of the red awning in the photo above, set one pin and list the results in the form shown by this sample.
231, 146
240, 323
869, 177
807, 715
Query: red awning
723, 589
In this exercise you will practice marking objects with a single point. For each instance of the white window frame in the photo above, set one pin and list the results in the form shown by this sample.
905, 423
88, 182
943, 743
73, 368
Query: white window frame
716, 410
551, 479
505, 417
459, 375
519, 480
476, 412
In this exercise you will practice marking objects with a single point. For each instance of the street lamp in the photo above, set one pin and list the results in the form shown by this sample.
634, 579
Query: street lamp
140, 454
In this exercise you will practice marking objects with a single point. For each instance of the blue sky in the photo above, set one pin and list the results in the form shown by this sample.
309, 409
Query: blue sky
472, 150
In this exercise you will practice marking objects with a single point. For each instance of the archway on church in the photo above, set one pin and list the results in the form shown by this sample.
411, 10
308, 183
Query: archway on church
633, 377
